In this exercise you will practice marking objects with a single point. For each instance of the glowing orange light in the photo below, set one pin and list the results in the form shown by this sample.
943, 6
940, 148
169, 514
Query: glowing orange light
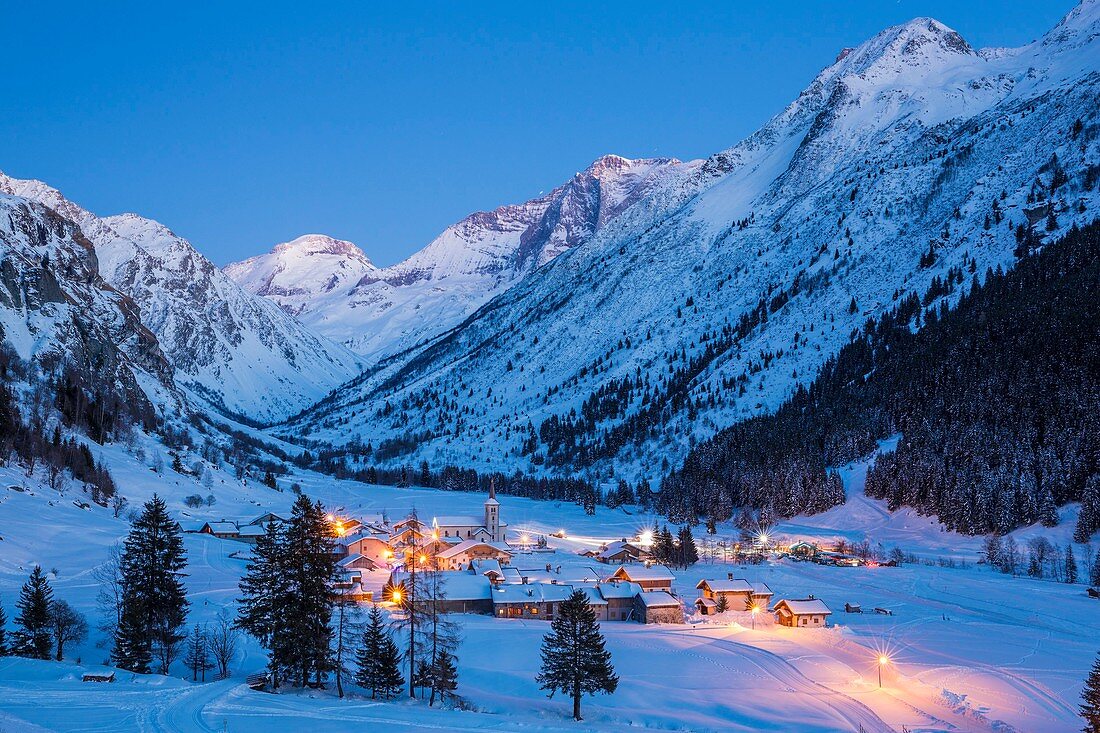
396, 596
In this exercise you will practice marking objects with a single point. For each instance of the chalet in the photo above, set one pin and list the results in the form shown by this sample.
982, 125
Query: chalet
802, 550
657, 607
739, 595
250, 533
357, 562
803, 613
619, 553
620, 599
409, 536
349, 586
487, 527
596, 601
374, 546
462, 592
267, 518
223, 530
650, 578
529, 600
490, 568
459, 557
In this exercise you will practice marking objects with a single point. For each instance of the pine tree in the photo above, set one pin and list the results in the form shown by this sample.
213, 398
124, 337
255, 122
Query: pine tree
154, 600
378, 661
574, 660
197, 654
1071, 564
3, 633
1090, 707
309, 565
444, 680
722, 604
422, 678
264, 593
1095, 579
689, 553
32, 636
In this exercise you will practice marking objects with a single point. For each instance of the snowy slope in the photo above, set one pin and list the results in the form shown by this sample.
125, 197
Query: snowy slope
384, 311
945, 674
233, 350
899, 146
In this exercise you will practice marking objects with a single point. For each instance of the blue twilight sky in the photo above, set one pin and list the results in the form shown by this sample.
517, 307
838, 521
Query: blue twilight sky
243, 126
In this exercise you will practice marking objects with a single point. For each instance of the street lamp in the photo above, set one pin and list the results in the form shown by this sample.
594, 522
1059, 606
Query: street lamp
883, 660
755, 610
396, 596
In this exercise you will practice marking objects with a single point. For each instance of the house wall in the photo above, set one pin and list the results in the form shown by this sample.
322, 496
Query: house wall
480, 605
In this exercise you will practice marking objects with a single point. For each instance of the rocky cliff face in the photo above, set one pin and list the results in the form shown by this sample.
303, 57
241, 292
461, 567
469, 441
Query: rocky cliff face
237, 352
56, 311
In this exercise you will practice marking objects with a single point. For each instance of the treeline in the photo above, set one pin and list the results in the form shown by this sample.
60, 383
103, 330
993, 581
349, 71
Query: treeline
28, 441
995, 401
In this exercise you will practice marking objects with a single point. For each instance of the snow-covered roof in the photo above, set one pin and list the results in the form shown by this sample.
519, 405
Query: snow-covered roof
735, 585
641, 572
708, 602
488, 565
532, 593
594, 596
458, 585
222, 527
725, 585
458, 521
251, 530
620, 590
657, 599
800, 607
467, 545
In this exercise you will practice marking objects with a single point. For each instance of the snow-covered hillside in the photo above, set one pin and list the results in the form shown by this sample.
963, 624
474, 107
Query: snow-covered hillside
731, 282
229, 348
332, 287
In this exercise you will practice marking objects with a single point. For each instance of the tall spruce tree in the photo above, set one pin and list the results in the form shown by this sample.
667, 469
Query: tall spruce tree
1094, 579
309, 566
1071, 564
264, 594
378, 660
688, 552
444, 677
32, 637
574, 660
154, 600
1090, 705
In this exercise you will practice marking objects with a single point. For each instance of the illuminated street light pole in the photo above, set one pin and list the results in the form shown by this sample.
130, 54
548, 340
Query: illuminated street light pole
882, 662
755, 610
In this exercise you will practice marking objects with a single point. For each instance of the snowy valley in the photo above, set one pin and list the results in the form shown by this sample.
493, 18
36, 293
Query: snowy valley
848, 368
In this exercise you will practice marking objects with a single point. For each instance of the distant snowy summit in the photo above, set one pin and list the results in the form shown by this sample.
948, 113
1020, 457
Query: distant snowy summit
332, 286
232, 350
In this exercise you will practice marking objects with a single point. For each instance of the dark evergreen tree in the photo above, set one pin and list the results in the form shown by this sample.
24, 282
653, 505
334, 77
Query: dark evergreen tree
309, 563
688, 552
1071, 565
1090, 705
378, 660
4, 651
154, 600
196, 655
264, 594
32, 635
444, 677
574, 660
422, 678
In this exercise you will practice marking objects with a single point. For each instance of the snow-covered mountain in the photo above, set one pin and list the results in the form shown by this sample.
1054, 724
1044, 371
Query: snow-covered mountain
57, 313
729, 283
332, 287
236, 351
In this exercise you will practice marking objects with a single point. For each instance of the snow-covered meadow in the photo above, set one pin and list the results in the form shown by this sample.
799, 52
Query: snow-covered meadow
970, 649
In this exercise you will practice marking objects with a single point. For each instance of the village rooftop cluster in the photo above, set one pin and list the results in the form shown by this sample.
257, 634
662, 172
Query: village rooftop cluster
484, 571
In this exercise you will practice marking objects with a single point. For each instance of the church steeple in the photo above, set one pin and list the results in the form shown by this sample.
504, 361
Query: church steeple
492, 513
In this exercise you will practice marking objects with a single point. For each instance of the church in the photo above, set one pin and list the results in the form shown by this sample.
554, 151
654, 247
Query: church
487, 528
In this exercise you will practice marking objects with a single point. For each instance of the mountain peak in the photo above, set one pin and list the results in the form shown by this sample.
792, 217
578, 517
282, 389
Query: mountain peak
321, 244
919, 44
